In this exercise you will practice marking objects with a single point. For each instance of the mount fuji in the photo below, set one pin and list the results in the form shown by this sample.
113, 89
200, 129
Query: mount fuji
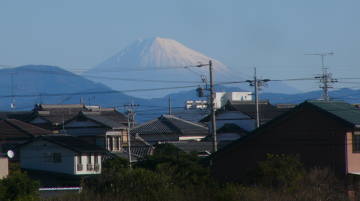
160, 63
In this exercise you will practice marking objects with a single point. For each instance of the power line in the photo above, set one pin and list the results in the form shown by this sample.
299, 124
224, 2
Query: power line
326, 77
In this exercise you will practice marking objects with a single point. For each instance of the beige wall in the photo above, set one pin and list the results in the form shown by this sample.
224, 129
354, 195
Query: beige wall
353, 159
4, 167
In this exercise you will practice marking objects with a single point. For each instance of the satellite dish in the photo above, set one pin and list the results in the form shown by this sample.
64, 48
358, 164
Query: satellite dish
10, 154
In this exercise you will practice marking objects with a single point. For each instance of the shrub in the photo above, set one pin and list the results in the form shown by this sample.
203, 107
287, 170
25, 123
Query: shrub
18, 187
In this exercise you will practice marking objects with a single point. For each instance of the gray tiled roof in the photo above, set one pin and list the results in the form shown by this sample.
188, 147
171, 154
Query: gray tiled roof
73, 143
112, 119
193, 146
170, 125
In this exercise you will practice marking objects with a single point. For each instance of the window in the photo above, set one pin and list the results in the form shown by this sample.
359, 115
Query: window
356, 141
57, 157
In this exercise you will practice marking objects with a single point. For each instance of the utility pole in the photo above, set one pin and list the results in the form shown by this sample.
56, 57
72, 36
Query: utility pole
131, 119
256, 83
211, 104
326, 78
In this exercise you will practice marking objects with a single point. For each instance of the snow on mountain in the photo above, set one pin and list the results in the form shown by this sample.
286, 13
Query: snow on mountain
156, 53
158, 63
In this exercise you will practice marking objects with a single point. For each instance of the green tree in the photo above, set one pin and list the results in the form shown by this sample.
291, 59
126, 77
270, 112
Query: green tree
184, 169
279, 171
18, 187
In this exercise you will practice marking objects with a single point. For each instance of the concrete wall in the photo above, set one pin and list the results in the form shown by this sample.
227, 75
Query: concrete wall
4, 167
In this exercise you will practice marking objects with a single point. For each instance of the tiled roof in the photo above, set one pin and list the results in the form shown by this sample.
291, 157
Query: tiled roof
112, 119
342, 110
13, 129
193, 146
266, 110
73, 143
58, 114
170, 125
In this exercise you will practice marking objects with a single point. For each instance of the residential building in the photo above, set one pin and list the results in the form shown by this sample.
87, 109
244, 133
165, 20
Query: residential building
221, 98
105, 127
322, 134
238, 118
61, 154
170, 128
14, 132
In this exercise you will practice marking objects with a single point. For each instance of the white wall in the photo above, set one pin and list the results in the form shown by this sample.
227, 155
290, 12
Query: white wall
34, 156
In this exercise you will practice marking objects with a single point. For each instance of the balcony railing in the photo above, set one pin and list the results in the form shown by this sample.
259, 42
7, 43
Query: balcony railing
96, 167
89, 167
79, 167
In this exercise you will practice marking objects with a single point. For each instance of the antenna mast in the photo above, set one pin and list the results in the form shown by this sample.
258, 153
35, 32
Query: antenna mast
325, 78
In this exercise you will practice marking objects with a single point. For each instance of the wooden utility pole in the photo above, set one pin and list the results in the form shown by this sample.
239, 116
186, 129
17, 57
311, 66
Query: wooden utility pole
131, 120
211, 104
256, 83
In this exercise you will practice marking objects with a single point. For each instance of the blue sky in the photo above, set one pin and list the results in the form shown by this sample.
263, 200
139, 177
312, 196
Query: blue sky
272, 35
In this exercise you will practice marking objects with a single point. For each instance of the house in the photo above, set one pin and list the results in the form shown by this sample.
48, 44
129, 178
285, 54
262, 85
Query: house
170, 128
104, 127
14, 132
61, 154
238, 118
322, 134
53, 116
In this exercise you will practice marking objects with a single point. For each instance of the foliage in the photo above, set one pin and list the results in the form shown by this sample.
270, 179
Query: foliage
279, 171
18, 187
139, 184
115, 164
183, 169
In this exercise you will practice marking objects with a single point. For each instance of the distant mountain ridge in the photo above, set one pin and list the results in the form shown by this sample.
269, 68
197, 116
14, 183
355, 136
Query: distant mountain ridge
32, 84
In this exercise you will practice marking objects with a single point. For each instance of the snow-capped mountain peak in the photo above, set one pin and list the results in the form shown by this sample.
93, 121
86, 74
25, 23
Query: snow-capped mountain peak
154, 53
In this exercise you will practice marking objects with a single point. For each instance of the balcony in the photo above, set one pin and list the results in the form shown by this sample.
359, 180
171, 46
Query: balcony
97, 167
89, 167
79, 167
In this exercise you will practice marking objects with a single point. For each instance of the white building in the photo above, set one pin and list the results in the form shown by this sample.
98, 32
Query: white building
221, 98
61, 154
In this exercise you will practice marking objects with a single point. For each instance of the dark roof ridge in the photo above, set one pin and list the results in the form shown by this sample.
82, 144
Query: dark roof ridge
184, 120
165, 119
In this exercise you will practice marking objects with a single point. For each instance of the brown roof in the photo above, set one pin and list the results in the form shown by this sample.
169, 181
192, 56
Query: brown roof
15, 129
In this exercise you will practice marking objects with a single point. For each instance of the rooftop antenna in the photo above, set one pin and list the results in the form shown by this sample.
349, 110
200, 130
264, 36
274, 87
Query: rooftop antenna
325, 78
